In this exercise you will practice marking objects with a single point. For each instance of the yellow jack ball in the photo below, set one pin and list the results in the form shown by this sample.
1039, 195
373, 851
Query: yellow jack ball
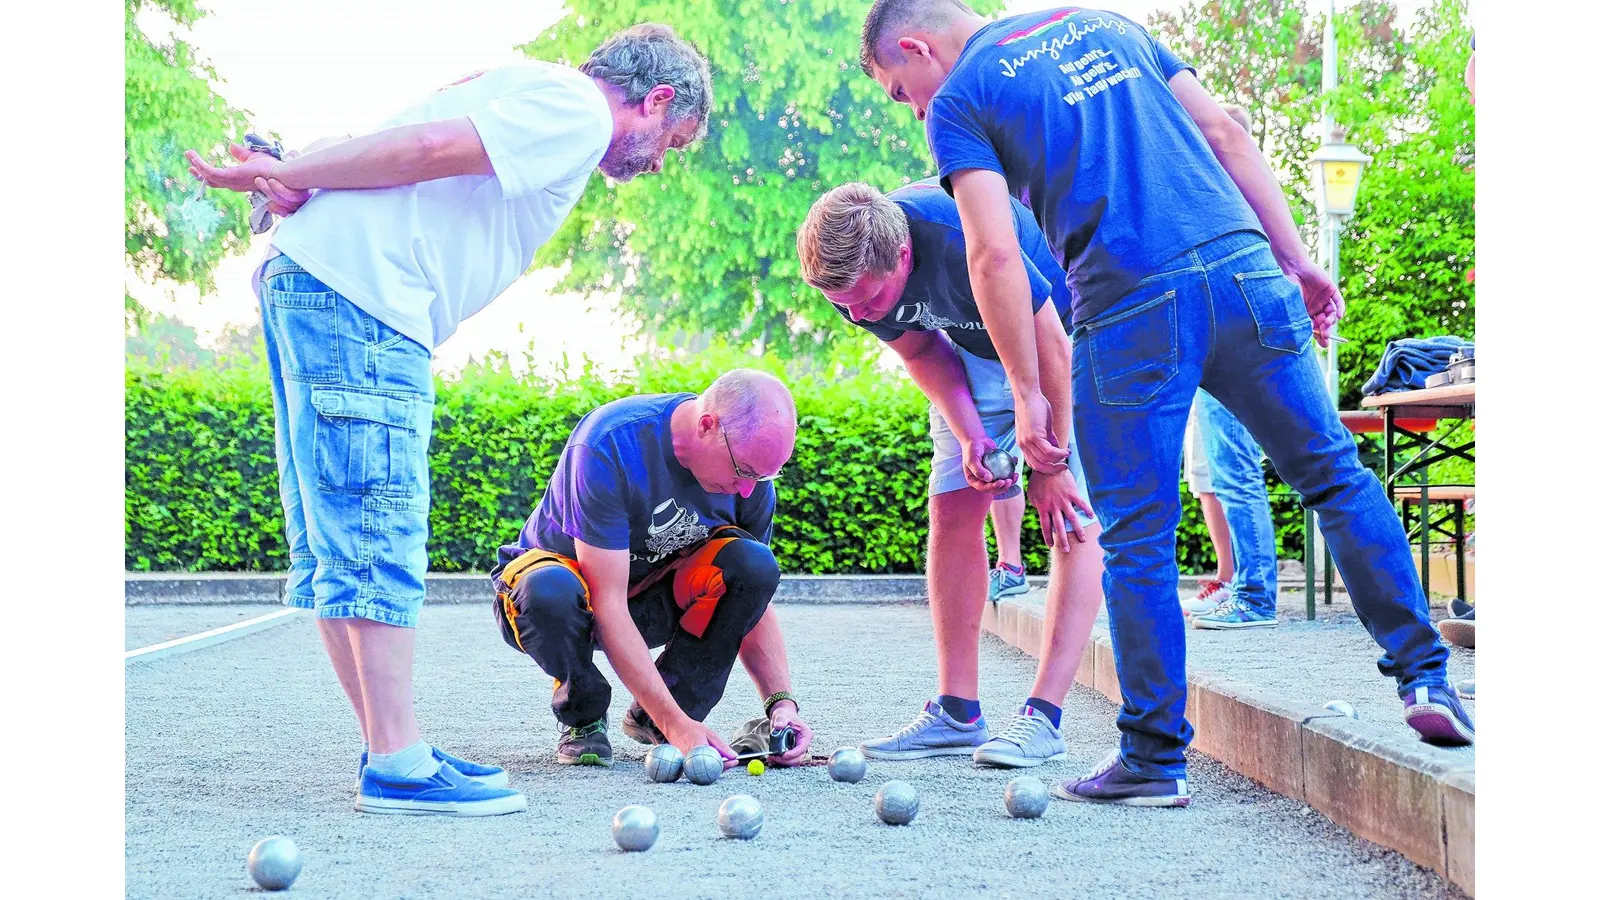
756, 767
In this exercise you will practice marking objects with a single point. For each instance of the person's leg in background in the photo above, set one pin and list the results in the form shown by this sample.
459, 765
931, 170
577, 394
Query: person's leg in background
1009, 577
1197, 472
357, 406
1135, 367
1241, 486
1270, 379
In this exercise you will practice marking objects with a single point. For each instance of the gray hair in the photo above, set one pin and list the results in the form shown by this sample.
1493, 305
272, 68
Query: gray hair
886, 18
745, 400
636, 59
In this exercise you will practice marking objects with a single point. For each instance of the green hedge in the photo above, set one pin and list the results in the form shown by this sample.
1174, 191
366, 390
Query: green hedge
201, 491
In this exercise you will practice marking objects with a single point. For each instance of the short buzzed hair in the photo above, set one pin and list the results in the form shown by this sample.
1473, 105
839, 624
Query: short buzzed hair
887, 17
746, 399
636, 59
851, 231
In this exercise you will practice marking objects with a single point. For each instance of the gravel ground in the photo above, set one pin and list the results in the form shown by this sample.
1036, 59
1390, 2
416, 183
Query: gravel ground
147, 625
250, 738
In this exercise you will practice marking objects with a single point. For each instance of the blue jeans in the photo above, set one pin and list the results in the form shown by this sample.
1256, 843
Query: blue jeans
1222, 316
1234, 459
353, 411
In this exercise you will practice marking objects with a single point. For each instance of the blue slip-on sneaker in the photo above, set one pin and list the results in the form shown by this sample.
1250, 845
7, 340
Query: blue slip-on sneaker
1111, 782
493, 776
1005, 583
1437, 714
447, 793
932, 733
1233, 614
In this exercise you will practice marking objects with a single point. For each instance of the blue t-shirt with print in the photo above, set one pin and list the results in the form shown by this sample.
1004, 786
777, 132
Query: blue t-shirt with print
1073, 107
938, 294
619, 486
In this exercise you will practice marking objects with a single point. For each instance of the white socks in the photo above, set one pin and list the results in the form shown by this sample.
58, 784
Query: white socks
414, 762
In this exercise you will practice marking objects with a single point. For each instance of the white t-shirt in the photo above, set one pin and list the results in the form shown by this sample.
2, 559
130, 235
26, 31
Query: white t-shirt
422, 257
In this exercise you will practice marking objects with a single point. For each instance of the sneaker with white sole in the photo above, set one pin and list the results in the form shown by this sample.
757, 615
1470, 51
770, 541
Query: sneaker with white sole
1437, 715
1232, 613
447, 793
1467, 690
1212, 594
1111, 782
932, 733
1005, 583
1027, 740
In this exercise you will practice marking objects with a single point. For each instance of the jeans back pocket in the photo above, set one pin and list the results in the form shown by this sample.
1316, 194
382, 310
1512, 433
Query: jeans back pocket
366, 443
1134, 353
1282, 322
307, 327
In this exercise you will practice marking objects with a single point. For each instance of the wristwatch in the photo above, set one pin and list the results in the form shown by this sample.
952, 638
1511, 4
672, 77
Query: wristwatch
779, 697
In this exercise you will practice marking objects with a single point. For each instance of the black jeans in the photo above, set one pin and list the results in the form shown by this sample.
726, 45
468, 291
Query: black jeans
700, 609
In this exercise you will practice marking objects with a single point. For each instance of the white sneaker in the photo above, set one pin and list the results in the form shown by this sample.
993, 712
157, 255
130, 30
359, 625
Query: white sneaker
1027, 740
932, 733
1212, 594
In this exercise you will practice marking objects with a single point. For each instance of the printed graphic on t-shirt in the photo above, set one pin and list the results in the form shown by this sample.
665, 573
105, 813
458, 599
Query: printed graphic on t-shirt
671, 529
920, 315
1090, 73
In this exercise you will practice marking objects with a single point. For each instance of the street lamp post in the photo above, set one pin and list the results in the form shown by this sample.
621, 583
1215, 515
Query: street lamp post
1336, 169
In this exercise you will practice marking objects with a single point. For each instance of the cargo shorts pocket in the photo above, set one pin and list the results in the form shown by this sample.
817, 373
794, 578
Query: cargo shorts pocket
1134, 353
1282, 322
368, 443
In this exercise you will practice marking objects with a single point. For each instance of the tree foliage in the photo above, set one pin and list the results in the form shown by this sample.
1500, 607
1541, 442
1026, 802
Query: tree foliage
708, 245
1404, 255
173, 231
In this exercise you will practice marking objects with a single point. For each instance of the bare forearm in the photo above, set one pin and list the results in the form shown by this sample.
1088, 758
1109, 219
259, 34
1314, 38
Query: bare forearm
764, 657
408, 154
630, 657
1055, 368
1249, 170
1000, 285
937, 370
323, 143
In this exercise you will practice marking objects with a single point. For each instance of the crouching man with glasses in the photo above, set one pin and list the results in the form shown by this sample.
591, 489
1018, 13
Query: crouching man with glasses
654, 531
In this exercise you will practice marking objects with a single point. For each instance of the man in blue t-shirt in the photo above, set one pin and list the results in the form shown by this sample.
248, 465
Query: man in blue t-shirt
896, 266
654, 530
1186, 271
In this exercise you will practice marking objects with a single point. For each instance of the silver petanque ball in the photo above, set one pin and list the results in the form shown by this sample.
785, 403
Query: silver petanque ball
1342, 707
897, 803
703, 765
635, 828
664, 763
1026, 797
847, 765
740, 816
1000, 464
275, 863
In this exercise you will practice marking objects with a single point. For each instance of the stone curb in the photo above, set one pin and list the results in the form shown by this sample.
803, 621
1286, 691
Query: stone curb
1412, 798
246, 588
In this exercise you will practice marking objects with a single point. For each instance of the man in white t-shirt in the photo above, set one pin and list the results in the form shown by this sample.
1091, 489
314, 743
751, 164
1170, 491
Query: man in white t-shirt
391, 240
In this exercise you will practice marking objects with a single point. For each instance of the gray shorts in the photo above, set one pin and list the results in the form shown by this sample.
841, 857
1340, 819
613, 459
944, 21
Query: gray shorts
991, 393
1196, 468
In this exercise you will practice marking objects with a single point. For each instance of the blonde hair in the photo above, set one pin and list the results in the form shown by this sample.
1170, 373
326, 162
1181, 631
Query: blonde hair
850, 231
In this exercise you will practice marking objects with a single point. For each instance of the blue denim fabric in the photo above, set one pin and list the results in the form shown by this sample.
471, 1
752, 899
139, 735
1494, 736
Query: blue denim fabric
1234, 459
1222, 316
353, 406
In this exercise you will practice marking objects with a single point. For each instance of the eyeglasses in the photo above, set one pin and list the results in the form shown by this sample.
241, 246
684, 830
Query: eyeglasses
741, 471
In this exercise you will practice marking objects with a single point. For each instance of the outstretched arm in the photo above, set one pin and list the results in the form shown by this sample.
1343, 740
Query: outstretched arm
1242, 160
764, 658
406, 154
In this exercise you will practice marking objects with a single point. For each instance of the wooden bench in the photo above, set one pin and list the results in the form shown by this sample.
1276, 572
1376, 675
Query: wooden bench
1455, 496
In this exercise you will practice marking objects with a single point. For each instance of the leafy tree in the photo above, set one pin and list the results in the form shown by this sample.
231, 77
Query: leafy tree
172, 231
708, 245
1405, 254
